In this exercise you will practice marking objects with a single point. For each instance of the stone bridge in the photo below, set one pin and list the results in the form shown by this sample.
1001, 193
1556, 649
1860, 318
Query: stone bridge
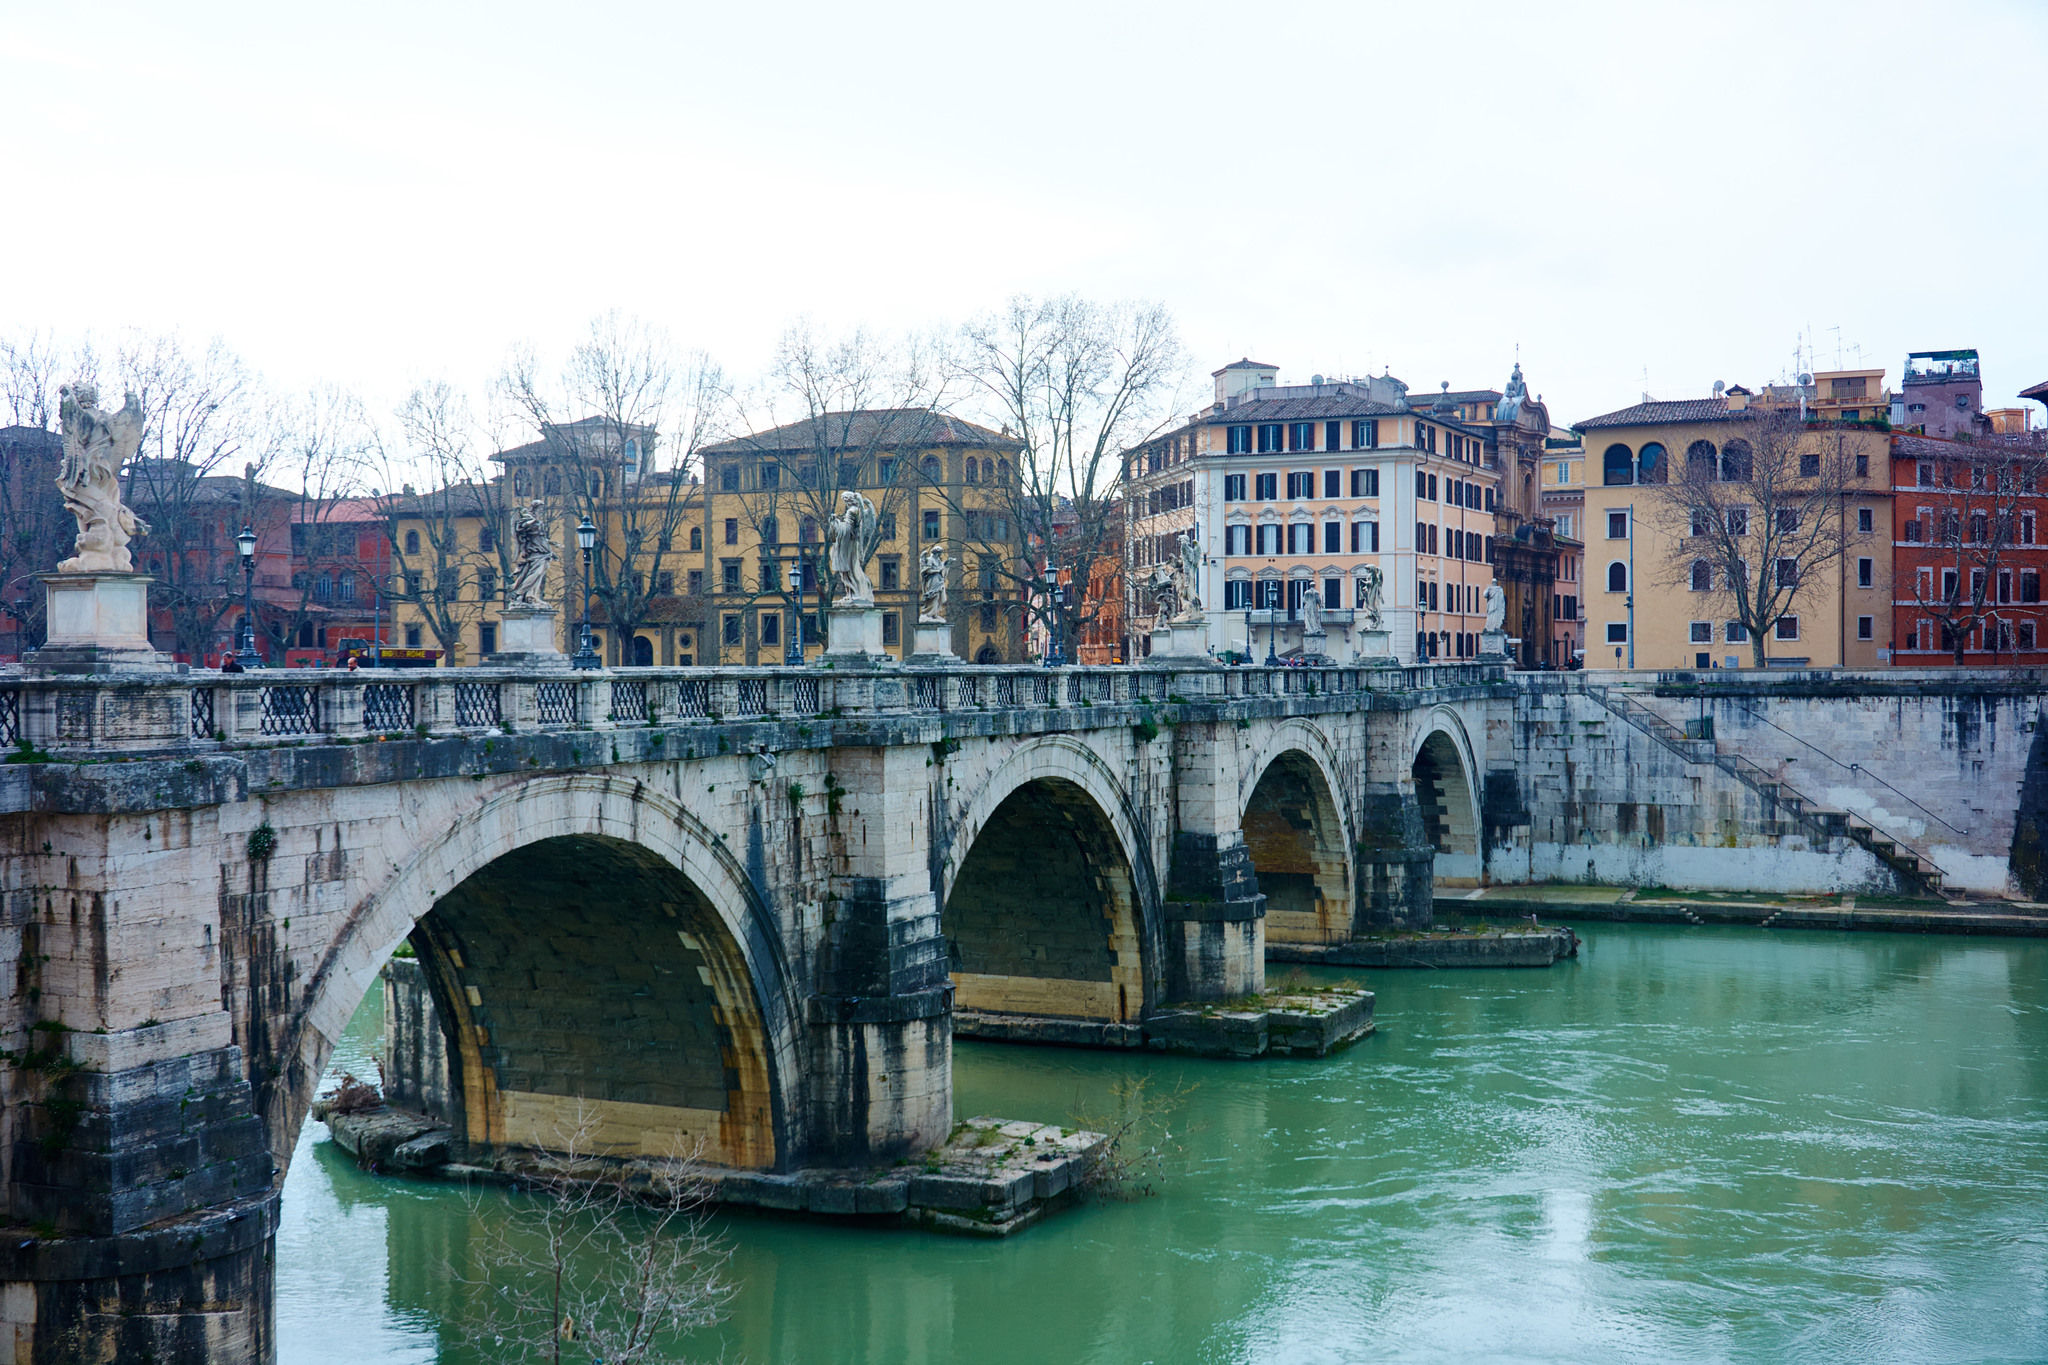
747, 906
736, 905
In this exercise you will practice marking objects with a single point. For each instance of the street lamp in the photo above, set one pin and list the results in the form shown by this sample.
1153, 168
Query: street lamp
586, 652
1272, 629
245, 546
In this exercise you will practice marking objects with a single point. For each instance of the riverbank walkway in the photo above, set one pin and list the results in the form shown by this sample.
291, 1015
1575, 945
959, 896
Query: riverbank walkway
1661, 905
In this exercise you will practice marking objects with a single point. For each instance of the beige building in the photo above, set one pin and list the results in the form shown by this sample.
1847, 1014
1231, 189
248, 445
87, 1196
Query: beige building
1643, 611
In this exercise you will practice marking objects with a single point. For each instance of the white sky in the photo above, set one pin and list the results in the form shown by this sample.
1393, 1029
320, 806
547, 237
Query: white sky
375, 192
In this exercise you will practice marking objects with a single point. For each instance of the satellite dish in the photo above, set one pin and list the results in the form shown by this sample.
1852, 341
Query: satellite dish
1719, 387
1316, 380
1805, 379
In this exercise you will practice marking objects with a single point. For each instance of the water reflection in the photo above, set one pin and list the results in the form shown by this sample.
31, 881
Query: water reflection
1692, 1144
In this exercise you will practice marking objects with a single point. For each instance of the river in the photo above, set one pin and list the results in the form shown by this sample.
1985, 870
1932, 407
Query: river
1690, 1144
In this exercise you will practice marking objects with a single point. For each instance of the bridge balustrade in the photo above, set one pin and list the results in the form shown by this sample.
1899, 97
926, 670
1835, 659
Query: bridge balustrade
146, 712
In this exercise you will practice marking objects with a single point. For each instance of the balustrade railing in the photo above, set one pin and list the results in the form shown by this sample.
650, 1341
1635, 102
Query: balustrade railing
281, 706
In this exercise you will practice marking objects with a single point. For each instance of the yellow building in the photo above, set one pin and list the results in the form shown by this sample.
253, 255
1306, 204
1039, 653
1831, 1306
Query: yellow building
450, 561
936, 481
1643, 610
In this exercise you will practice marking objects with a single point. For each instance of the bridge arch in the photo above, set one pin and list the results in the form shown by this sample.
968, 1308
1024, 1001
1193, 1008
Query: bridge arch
1442, 767
1047, 900
1300, 841
677, 947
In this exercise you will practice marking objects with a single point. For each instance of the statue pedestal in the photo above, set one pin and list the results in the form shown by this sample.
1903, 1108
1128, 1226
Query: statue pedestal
1493, 644
1180, 640
854, 637
526, 637
1315, 646
934, 644
97, 623
1376, 646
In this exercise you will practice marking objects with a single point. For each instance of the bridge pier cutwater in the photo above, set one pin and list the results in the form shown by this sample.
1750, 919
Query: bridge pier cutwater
743, 907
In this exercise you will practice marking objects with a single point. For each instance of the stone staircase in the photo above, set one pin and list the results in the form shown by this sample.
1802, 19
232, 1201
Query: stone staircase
1817, 822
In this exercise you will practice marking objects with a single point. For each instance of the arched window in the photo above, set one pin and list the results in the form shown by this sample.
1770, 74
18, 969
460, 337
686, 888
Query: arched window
929, 467
552, 482
632, 460
1003, 471
1651, 465
696, 537
771, 531
987, 655
1617, 577
412, 542
1616, 466
973, 470
521, 484
643, 652
1702, 464
1736, 462
1702, 576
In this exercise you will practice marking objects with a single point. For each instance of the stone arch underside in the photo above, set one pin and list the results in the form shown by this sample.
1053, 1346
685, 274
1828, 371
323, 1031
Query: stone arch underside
638, 828
1450, 814
1295, 836
1042, 916
587, 989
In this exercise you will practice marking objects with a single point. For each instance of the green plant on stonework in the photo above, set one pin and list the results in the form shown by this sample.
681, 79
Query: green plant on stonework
1147, 729
796, 793
25, 752
262, 843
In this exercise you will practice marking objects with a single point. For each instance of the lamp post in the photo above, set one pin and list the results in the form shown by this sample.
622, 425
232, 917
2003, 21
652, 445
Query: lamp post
586, 650
1272, 627
245, 547
793, 642
1248, 636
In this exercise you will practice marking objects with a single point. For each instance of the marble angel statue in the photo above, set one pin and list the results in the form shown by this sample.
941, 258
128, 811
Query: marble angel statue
96, 445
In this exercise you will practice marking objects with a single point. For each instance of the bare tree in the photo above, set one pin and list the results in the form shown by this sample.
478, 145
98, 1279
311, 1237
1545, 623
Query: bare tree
598, 1261
35, 529
1973, 513
207, 440
324, 460
1078, 382
30, 364
854, 411
434, 564
1754, 525
622, 426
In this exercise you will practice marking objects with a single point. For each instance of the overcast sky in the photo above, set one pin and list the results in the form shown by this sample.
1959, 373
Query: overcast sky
1641, 196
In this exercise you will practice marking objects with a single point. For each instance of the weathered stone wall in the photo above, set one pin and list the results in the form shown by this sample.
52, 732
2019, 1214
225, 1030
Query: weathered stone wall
417, 1074
1608, 804
1934, 761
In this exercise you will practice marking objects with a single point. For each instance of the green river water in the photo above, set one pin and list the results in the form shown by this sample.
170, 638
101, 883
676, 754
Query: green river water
1689, 1145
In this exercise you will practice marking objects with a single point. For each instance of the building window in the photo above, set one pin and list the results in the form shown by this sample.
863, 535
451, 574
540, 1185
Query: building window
1617, 526
892, 628
1301, 484
1865, 522
729, 478
732, 530
1702, 576
1365, 483
1617, 632
1365, 537
1737, 633
1738, 521
1238, 441
1617, 577
769, 475
931, 523
1333, 481
729, 575
1237, 540
1788, 573
1267, 487
487, 639
1237, 596
1809, 465
1865, 626
1233, 487
412, 542
1738, 462
1301, 538
1365, 435
1270, 438
412, 637
2030, 585
1269, 539
1788, 628
1301, 436
1702, 632
696, 582
696, 538
892, 575
2023, 634
1618, 466
1866, 573
732, 628
1333, 537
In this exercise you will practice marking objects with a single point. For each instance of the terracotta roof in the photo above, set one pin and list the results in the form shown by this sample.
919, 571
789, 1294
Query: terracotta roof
1299, 410
2039, 393
1683, 410
878, 428
1245, 364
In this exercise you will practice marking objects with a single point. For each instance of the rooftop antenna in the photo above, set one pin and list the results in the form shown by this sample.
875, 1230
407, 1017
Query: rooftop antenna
1837, 330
